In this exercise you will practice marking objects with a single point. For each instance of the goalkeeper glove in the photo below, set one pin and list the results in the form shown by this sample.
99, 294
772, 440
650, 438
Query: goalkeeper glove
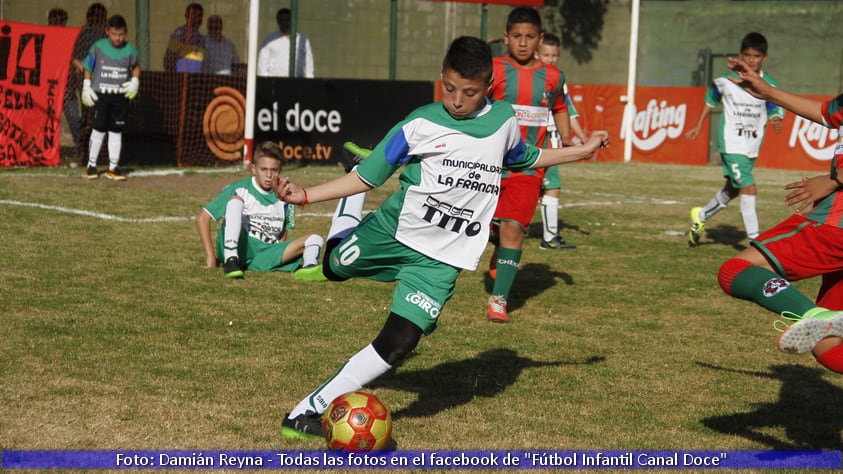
130, 88
88, 94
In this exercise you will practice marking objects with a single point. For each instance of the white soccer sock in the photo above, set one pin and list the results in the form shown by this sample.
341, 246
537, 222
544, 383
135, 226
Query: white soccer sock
550, 217
233, 225
115, 144
361, 369
347, 215
94, 146
717, 204
750, 218
312, 249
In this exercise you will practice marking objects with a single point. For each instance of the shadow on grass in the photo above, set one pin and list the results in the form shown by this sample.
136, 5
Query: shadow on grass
532, 280
807, 409
452, 384
535, 231
726, 235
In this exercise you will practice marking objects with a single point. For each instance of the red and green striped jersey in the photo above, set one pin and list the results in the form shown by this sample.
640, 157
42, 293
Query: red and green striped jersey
833, 112
532, 92
829, 210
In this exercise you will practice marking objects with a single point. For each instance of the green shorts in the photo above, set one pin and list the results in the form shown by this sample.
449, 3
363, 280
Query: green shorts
551, 178
738, 169
260, 256
424, 284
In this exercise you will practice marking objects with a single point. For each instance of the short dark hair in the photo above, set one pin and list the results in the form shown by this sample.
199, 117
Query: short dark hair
96, 14
117, 21
551, 40
193, 7
524, 15
270, 149
756, 41
469, 57
57, 16
282, 17
214, 23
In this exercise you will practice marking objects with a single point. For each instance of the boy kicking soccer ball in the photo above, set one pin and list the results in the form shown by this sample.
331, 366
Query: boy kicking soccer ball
436, 225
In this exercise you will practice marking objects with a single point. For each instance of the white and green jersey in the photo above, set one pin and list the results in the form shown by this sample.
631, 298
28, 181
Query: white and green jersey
265, 217
110, 66
451, 182
744, 117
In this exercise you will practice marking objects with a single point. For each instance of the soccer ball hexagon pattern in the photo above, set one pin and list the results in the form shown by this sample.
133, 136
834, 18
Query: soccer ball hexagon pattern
357, 422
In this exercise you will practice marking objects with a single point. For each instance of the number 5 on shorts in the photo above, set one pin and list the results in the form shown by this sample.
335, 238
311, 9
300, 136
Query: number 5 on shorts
736, 171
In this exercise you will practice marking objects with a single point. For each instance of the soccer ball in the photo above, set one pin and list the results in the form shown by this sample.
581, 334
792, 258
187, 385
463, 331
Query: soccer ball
355, 422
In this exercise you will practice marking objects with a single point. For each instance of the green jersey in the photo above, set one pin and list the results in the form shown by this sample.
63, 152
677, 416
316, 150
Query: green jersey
451, 179
744, 117
265, 217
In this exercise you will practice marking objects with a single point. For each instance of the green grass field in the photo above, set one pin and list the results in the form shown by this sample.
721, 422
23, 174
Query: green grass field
114, 337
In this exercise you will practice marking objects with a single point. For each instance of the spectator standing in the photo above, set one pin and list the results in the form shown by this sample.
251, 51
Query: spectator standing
274, 55
186, 48
94, 29
58, 17
220, 53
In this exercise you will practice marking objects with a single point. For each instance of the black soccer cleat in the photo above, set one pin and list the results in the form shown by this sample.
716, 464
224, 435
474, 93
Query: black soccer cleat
306, 425
231, 268
353, 155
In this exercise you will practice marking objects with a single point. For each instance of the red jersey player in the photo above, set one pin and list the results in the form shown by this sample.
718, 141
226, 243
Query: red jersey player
801, 246
533, 88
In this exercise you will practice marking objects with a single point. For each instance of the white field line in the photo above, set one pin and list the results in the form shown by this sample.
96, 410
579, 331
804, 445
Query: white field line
613, 199
98, 215
110, 217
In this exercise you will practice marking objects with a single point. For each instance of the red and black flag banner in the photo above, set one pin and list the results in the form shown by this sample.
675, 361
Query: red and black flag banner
34, 61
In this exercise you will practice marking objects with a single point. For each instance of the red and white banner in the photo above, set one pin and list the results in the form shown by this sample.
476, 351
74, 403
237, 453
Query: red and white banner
660, 119
802, 144
663, 115
34, 61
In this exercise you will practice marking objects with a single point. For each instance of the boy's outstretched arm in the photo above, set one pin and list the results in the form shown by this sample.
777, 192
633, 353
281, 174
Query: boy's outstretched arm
809, 108
341, 187
557, 156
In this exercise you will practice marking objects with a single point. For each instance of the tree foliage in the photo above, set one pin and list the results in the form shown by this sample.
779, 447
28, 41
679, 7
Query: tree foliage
579, 24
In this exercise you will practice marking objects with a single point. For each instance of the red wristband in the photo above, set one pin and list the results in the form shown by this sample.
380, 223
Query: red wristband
304, 202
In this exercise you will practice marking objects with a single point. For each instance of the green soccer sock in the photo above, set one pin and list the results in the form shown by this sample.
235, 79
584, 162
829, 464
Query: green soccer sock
508, 260
770, 290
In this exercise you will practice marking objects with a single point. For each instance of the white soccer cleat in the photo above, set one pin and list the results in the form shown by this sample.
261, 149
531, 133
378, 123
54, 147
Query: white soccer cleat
807, 332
